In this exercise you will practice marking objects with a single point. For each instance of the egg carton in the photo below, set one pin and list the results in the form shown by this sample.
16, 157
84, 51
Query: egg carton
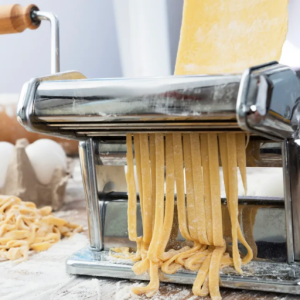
21, 181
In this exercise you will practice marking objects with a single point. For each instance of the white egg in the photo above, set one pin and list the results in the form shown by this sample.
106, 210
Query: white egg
46, 143
6, 151
45, 156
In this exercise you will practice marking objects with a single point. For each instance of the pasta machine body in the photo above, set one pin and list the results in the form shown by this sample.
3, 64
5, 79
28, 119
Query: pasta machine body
263, 101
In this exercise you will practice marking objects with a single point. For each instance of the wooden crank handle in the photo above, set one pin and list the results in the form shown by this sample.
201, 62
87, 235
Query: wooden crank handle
16, 18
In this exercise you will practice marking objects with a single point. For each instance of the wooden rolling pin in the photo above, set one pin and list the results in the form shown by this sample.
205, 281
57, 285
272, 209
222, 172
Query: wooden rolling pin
16, 18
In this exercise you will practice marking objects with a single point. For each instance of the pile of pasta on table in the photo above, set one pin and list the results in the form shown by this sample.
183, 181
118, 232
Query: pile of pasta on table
24, 227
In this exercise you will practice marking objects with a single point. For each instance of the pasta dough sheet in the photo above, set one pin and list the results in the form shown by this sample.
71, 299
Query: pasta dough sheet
229, 36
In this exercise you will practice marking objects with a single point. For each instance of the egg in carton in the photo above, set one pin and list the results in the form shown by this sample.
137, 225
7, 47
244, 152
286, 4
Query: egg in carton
35, 172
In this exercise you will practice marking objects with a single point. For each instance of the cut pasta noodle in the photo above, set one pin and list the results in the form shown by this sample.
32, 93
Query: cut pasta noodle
198, 189
200, 217
23, 227
178, 168
168, 220
233, 196
159, 209
191, 213
132, 233
146, 184
206, 179
215, 189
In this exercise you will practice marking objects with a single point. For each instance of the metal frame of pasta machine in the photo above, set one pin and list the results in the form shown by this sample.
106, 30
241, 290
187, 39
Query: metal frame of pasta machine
263, 101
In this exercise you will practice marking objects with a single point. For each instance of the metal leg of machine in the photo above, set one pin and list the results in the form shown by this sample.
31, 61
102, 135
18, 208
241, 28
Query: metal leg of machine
87, 160
291, 167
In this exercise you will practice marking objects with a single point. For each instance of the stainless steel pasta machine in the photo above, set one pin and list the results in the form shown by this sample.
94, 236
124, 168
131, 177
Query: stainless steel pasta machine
263, 101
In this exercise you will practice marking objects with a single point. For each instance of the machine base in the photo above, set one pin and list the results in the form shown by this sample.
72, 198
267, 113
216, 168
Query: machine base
258, 275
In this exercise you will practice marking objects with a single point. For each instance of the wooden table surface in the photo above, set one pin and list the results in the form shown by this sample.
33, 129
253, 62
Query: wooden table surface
114, 289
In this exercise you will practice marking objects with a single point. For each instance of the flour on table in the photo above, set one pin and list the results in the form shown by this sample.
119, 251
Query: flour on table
80, 290
123, 290
42, 275
166, 292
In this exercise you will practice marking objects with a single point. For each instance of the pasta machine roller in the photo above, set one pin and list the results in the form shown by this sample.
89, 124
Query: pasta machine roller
263, 101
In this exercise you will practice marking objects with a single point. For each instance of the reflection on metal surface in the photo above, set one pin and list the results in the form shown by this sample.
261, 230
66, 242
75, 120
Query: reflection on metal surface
86, 153
267, 97
264, 276
260, 152
263, 224
292, 178
253, 102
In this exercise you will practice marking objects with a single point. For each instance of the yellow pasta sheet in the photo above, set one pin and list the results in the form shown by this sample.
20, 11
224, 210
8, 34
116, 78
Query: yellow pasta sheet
229, 36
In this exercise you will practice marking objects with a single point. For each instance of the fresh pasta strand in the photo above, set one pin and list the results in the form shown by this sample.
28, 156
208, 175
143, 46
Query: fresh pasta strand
233, 197
147, 190
23, 227
194, 262
249, 215
152, 254
192, 225
198, 288
206, 179
169, 211
131, 212
170, 267
153, 174
153, 286
183, 256
159, 210
198, 189
215, 189
224, 159
199, 218
178, 168
214, 270
137, 154
171, 253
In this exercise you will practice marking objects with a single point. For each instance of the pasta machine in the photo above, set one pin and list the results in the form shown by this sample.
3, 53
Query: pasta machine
263, 101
